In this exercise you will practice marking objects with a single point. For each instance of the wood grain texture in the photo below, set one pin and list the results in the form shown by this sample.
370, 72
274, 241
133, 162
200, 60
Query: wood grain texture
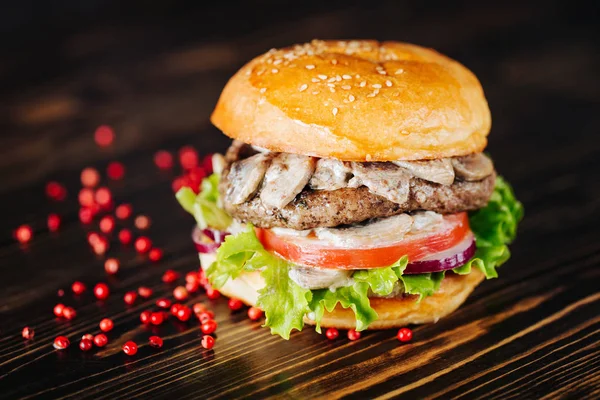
154, 73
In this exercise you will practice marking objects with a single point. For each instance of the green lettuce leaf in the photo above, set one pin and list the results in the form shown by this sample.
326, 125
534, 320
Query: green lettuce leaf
422, 285
205, 206
283, 301
354, 297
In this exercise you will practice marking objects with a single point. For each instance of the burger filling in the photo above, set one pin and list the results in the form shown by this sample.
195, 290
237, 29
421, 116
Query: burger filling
326, 233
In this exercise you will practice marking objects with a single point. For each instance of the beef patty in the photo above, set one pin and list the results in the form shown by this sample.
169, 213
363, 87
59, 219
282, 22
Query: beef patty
330, 208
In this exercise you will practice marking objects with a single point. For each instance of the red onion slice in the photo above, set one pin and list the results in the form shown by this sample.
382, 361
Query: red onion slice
204, 239
447, 259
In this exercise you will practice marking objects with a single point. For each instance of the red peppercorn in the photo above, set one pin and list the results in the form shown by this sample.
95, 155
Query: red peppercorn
177, 183
130, 348
85, 215
208, 327
145, 317
23, 233
192, 287
188, 157
90, 177
100, 340
198, 308
212, 293
205, 316
104, 135
208, 342
123, 211
191, 277
28, 333
404, 335
157, 318
180, 293
184, 313
115, 170
101, 291
101, 246
106, 325
332, 333
353, 334
202, 279
155, 254
88, 336
143, 244
78, 287
111, 266
61, 343
255, 313
53, 222
163, 303
155, 342
86, 197
60, 292
93, 238
125, 236
69, 313
107, 224
129, 298
85, 345
58, 310
141, 222
163, 159
55, 191
103, 197
235, 304
170, 276
175, 308
144, 291
207, 163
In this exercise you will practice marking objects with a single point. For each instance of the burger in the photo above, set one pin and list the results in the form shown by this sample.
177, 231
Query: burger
355, 193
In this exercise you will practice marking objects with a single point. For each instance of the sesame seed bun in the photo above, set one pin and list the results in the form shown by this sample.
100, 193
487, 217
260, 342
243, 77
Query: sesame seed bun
356, 100
393, 313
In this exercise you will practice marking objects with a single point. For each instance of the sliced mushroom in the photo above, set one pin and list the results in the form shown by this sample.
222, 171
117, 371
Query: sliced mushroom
285, 178
473, 167
245, 177
382, 178
438, 171
380, 232
320, 278
330, 174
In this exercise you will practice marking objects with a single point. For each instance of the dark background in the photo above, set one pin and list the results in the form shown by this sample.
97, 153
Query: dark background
154, 70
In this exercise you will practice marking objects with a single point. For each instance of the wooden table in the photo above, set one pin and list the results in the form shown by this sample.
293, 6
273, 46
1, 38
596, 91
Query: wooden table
154, 74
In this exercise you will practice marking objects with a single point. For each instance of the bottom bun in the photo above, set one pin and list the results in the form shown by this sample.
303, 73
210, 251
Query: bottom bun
393, 312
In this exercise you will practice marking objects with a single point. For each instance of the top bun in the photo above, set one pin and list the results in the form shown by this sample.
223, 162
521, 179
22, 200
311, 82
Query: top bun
356, 101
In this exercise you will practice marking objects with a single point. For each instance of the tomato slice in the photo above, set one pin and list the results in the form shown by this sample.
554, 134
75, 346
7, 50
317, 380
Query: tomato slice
308, 251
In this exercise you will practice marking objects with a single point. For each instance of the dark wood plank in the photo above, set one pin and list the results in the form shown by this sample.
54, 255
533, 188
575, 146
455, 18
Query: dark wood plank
154, 73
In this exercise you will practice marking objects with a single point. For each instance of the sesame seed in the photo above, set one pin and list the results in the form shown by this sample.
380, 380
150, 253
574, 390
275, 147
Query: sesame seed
303, 87
346, 76
399, 71
330, 85
322, 77
363, 84
338, 78
274, 70
316, 92
334, 61
332, 79
388, 83
315, 80
379, 68
332, 90
334, 111
262, 90
259, 73
277, 62
346, 87
382, 72
376, 86
310, 66
357, 76
351, 98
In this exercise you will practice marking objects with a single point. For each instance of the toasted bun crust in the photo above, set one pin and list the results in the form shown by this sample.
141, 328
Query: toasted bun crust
356, 101
393, 313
